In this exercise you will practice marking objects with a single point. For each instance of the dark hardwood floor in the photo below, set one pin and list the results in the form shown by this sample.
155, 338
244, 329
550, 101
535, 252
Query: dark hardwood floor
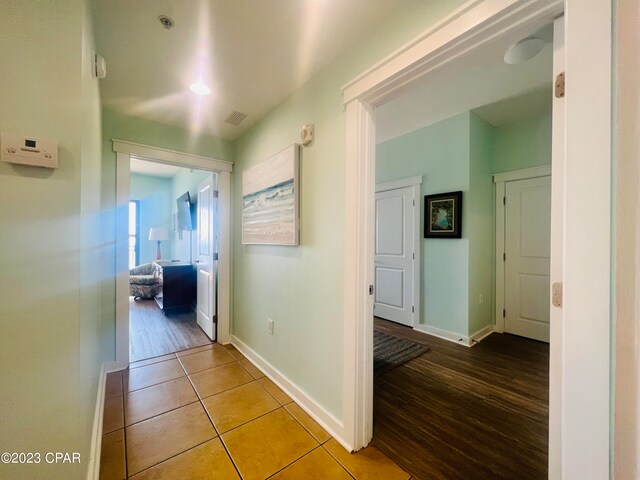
151, 333
466, 413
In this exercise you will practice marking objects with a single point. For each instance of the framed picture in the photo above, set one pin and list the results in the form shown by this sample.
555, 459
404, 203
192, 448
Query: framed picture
270, 200
443, 215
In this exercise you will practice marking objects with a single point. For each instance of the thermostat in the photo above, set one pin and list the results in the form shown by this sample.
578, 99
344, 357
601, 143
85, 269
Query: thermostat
22, 150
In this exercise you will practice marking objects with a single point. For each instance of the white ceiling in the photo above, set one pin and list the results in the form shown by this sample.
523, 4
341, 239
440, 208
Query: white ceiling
252, 53
153, 169
471, 82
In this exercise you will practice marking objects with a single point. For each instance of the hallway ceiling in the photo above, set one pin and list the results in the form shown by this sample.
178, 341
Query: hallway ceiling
251, 53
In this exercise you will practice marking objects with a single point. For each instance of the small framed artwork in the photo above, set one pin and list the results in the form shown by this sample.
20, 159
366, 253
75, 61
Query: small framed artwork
443, 215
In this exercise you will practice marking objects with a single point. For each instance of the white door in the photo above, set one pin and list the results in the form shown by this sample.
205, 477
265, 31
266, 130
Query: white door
527, 251
206, 263
394, 255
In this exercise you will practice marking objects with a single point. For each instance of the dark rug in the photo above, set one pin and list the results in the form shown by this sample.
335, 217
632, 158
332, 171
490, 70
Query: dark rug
390, 352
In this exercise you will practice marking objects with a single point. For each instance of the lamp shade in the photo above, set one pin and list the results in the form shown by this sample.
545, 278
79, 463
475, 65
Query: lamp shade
158, 233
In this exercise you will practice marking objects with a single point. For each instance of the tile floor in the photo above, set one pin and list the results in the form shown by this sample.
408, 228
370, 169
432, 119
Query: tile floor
209, 412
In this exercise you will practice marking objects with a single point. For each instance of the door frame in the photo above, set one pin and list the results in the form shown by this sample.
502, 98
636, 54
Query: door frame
125, 150
500, 180
415, 183
580, 427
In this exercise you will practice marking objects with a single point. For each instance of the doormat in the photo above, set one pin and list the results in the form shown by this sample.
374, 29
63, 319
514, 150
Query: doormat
390, 352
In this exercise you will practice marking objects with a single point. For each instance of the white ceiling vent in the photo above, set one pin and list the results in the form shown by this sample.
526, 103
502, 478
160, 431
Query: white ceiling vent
235, 118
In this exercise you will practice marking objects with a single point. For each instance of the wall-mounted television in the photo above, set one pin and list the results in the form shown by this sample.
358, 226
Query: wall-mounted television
186, 213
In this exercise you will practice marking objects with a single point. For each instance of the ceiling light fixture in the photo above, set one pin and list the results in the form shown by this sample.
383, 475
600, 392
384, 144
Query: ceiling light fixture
200, 88
523, 50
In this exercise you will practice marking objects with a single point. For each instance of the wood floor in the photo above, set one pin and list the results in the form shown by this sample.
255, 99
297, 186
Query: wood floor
466, 413
151, 333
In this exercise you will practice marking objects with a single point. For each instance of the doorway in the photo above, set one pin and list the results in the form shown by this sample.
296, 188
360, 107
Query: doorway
584, 135
166, 268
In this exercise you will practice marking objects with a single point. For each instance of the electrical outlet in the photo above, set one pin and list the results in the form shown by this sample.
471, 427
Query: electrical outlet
270, 326
481, 299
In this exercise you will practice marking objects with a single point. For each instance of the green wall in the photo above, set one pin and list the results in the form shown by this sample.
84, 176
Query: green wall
440, 154
301, 288
480, 224
156, 198
522, 144
50, 319
184, 249
116, 125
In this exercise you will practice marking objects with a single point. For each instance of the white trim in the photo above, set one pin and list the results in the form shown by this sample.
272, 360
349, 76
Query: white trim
326, 420
500, 180
499, 258
171, 157
93, 470
471, 26
465, 341
585, 414
523, 174
557, 246
124, 152
414, 182
586, 307
401, 183
358, 274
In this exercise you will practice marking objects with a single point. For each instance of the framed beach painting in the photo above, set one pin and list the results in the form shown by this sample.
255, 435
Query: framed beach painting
270, 200
443, 215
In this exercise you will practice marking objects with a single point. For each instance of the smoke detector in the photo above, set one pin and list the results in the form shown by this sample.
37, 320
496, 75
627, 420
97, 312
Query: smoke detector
167, 22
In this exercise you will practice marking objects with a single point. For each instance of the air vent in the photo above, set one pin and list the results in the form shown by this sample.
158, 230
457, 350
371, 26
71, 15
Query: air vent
235, 118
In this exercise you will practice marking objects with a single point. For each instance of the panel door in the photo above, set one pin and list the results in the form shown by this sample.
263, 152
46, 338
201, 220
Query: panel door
527, 250
394, 262
206, 262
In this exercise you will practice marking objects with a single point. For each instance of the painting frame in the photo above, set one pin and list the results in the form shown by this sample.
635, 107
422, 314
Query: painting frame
443, 215
271, 200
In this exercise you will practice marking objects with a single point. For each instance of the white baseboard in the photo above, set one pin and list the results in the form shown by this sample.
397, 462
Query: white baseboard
326, 420
93, 471
482, 334
444, 334
455, 337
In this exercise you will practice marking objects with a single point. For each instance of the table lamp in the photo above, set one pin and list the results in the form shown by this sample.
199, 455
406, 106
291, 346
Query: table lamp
158, 234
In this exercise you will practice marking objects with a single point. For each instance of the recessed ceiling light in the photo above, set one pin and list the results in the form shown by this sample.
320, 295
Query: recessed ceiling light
523, 50
200, 88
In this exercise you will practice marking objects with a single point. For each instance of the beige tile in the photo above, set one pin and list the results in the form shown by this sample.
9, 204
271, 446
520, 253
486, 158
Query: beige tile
262, 447
218, 379
209, 460
307, 422
150, 361
251, 368
239, 405
148, 375
318, 465
274, 390
204, 360
151, 401
113, 417
191, 351
368, 463
233, 351
155, 440
112, 460
113, 386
